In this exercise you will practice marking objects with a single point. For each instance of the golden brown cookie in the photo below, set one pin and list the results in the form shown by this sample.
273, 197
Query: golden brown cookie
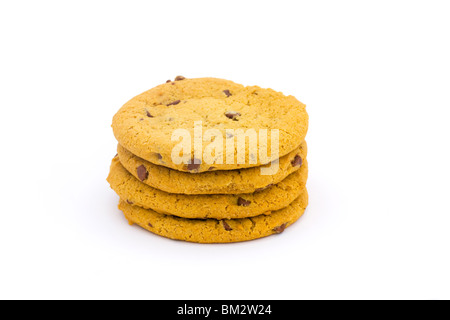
215, 182
145, 125
222, 206
216, 231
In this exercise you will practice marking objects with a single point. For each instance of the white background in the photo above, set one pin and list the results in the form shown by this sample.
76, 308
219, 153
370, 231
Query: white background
375, 76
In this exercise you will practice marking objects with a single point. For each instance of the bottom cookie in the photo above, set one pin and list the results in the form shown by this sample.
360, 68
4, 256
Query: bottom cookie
215, 231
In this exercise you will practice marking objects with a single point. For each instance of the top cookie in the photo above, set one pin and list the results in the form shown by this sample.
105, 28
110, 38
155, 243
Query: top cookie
149, 124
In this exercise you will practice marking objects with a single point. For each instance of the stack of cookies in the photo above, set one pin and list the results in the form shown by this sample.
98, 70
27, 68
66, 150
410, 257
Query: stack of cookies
188, 166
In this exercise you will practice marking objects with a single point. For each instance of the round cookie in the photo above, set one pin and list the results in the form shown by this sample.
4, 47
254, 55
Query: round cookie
216, 182
145, 124
216, 231
222, 206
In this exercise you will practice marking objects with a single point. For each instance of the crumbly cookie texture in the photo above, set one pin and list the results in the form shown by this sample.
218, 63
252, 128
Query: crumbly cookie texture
216, 231
221, 206
145, 124
216, 182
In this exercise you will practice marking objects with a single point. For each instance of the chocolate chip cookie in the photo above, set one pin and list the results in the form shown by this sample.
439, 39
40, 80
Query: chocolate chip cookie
215, 182
216, 231
217, 206
146, 125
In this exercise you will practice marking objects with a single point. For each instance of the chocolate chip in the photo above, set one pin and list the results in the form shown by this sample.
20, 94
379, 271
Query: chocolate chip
159, 156
194, 164
150, 225
232, 115
226, 226
129, 202
179, 78
168, 81
297, 162
263, 188
174, 103
227, 92
149, 114
142, 173
243, 203
280, 229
